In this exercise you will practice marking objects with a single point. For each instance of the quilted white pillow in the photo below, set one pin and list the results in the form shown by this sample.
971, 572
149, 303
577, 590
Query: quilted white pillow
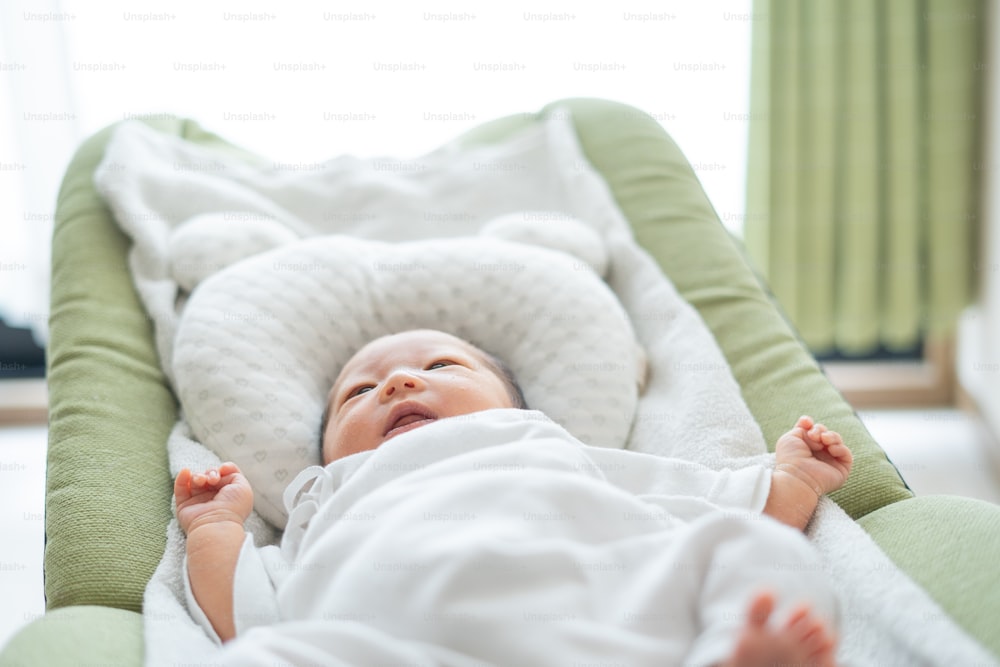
261, 342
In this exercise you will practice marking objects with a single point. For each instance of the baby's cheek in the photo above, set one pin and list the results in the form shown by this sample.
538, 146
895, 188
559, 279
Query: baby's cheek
349, 437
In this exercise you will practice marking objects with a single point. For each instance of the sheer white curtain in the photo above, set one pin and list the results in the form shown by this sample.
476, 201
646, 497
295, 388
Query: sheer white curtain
304, 81
38, 131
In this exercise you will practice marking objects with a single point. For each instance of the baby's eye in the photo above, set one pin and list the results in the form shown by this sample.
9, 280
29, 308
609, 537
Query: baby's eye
363, 389
440, 364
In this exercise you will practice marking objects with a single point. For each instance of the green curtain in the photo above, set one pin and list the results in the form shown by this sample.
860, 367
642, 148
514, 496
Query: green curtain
862, 196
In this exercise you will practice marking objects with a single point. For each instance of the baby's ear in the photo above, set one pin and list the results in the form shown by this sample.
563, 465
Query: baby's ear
554, 230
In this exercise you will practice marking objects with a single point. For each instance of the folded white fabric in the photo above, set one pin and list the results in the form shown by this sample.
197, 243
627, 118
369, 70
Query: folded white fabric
500, 538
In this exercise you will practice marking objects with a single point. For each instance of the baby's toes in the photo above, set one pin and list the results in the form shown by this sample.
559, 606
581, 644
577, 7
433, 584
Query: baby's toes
817, 637
809, 630
760, 609
820, 647
797, 619
811, 639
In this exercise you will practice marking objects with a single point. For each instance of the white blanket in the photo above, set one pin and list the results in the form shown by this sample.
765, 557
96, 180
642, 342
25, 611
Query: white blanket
692, 408
500, 539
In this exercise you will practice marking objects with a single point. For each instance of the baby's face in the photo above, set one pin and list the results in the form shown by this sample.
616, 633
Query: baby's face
401, 382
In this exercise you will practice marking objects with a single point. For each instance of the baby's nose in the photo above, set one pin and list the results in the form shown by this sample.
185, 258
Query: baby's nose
400, 381
391, 389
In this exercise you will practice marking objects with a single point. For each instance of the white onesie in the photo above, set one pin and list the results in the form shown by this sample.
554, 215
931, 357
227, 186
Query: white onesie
499, 539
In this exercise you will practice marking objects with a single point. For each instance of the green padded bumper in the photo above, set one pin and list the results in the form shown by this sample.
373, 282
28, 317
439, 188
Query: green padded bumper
951, 547
87, 635
110, 409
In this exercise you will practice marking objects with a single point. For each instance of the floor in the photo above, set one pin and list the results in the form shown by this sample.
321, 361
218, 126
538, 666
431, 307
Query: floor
937, 451
22, 512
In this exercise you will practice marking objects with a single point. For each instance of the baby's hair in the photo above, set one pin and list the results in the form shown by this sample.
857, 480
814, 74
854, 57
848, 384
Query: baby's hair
506, 375
495, 364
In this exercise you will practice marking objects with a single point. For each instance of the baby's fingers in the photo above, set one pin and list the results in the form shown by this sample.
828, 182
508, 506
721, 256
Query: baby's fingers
832, 440
204, 481
814, 437
228, 468
841, 452
182, 485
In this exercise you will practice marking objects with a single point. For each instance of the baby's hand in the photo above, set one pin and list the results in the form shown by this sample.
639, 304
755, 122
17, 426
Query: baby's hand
814, 454
218, 494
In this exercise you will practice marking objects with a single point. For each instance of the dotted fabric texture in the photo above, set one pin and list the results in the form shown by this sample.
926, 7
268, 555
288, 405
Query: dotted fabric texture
261, 342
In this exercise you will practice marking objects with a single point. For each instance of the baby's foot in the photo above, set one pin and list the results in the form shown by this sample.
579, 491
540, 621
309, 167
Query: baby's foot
803, 640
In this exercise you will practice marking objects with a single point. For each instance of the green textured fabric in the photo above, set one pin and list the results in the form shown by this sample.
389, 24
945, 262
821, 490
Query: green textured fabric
951, 547
111, 411
861, 189
77, 636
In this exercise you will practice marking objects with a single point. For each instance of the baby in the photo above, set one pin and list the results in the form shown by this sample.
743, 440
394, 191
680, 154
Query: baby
402, 382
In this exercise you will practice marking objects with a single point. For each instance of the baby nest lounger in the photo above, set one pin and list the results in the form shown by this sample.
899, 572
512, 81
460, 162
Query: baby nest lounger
108, 487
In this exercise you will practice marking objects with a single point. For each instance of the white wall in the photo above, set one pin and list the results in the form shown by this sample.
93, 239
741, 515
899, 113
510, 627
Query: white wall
979, 334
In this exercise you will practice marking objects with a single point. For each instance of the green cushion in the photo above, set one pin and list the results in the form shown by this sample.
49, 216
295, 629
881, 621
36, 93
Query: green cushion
110, 411
75, 636
951, 547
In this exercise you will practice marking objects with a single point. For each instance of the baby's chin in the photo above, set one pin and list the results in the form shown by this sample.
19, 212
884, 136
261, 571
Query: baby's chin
399, 430
336, 454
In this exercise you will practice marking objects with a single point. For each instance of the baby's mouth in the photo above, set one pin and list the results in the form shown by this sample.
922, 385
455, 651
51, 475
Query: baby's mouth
406, 417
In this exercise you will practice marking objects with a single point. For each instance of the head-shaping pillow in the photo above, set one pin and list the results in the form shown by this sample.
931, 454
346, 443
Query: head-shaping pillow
261, 342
